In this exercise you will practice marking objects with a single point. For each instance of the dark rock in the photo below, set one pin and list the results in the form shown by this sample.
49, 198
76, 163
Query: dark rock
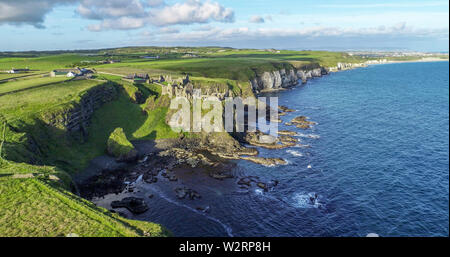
173, 178
263, 186
193, 194
285, 109
245, 181
181, 192
133, 204
220, 176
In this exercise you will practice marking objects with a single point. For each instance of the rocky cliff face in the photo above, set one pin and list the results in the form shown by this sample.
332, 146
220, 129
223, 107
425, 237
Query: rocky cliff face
188, 90
275, 80
77, 117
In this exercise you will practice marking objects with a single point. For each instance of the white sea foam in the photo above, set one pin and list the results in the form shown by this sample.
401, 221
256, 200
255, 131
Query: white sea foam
295, 153
303, 200
303, 146
312, 136
259, 191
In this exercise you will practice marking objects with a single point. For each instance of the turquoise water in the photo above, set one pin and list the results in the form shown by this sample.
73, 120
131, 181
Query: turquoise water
378, 161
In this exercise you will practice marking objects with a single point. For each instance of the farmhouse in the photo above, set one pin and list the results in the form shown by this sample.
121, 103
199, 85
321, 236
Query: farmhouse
18, 70
70, 72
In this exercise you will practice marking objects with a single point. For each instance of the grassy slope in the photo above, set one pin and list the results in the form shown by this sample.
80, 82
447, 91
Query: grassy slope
42, 206
14, 86
24, 111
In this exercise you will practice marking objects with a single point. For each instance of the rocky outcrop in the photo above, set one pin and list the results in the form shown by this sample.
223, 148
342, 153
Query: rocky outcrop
133, 204
76, 118
275, 80
347, 66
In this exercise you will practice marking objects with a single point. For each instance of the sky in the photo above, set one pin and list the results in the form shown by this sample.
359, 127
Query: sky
280, 24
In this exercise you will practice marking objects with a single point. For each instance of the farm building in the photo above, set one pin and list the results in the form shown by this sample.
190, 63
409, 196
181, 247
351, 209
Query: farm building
70, 72
12, 71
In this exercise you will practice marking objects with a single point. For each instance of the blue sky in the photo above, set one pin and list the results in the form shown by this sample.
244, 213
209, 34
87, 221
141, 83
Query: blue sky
283, 24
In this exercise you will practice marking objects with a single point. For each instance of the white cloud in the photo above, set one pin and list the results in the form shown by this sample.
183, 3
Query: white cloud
245, 33
191, 11
256, 19
124, 14
386, 5
154, 3
168, 30
101, 9
118, 14
31, 12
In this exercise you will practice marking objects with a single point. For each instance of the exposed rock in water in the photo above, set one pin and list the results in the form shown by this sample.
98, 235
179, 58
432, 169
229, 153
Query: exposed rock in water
263, 186
302, 122
260, 139
133, 204
149, 178
287, 133
265, 161
285, 109
220, 176
183, 192
245, 181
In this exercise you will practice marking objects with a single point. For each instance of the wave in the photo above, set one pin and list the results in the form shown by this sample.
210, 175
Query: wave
303, 146
295, 153
312, 136
304, 200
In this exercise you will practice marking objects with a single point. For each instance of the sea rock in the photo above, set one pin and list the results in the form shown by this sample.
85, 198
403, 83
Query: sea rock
133, 204
285, 109
265, 161
302, 122
220, 176
186, 192
149, 178
181, 192
263, 186
244, 181
287, 133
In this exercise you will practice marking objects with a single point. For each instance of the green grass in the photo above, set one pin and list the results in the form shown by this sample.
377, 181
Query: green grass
34, 207
40, 95
28, 83
118, 144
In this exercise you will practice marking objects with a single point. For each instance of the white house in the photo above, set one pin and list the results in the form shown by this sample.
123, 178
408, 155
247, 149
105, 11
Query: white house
70, 74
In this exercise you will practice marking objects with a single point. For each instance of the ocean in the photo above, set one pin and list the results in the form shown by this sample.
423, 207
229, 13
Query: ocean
378, 162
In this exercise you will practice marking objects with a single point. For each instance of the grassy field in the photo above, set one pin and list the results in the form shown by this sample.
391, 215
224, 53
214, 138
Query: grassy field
29, 205
34, 205
28, 83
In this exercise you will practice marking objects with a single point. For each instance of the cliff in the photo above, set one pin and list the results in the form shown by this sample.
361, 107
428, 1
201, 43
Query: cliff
76, 117
275, 80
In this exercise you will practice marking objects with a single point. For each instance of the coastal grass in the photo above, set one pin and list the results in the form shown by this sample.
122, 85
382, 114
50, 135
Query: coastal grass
34, 207
23, 84
118, 144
